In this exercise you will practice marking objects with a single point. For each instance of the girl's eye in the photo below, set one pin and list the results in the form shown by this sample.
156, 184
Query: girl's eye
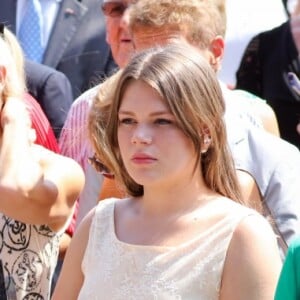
127, 121
163, 121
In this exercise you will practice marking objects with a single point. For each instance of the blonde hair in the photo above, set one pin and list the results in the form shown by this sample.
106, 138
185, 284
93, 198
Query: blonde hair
199, 20
11, 57
191, 90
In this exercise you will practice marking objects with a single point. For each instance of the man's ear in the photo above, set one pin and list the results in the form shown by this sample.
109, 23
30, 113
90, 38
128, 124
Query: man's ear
216, 47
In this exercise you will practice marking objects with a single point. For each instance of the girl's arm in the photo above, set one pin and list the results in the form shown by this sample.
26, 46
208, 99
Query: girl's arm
71, 277
253, 264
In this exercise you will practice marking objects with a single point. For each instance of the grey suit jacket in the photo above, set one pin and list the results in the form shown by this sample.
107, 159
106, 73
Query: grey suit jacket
275, 166
77, 45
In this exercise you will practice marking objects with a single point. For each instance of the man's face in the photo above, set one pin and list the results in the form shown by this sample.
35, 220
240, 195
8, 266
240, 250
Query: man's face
117, 33
144, 38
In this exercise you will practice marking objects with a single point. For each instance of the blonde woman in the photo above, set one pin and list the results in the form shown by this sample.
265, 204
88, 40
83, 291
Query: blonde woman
37, 189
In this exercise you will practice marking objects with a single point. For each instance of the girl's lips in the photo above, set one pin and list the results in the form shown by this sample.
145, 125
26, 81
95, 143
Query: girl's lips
143, 159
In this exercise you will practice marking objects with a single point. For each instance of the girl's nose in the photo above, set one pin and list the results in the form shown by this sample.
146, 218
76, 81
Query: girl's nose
141, 135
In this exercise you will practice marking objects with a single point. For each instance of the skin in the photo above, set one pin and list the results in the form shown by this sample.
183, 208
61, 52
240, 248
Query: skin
33, 188
143, 125
119, 38
252, 264
296, 10
249, 241
143, 39
176, 206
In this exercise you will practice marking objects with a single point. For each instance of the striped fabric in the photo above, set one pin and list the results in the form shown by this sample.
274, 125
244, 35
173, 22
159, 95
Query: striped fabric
44, 133
74, 143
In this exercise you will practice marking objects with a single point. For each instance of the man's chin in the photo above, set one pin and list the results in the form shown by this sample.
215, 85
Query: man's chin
125, 55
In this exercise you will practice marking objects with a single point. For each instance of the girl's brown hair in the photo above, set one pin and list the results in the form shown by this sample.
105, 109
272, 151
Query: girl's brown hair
191, 90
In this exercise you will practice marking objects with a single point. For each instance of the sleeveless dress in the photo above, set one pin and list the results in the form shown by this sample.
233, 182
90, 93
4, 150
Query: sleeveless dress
117, 270
28, 253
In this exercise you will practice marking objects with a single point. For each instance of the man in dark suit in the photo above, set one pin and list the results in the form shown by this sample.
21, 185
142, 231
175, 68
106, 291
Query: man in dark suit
52, 90
76, 44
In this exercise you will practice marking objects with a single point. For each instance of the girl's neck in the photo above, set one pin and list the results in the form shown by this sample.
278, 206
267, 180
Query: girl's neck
175, 198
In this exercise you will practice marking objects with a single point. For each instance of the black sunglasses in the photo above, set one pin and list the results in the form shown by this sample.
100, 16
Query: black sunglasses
113, 9
100, 167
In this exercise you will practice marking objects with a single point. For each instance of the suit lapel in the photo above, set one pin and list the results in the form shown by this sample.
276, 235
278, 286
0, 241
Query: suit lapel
68, 19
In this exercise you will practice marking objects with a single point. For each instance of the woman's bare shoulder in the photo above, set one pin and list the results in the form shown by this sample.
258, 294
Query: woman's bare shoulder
252, 263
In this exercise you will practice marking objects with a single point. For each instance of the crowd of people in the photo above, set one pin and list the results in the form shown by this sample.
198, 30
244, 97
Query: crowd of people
131, 167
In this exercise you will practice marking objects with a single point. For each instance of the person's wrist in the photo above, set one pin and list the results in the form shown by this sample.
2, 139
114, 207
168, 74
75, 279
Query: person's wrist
16, 121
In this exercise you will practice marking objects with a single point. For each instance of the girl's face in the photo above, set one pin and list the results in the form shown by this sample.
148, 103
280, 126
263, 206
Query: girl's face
153, 148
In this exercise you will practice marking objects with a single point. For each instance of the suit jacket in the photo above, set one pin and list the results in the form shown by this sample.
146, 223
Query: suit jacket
77, 45
52, 90
263, 71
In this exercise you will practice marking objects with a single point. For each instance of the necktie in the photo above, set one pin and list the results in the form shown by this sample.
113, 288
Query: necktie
30, 32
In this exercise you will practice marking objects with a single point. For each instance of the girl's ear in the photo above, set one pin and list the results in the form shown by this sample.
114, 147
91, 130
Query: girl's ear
206, 139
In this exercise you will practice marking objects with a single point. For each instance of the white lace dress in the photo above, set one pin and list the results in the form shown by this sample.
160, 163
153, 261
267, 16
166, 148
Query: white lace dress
116, 270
